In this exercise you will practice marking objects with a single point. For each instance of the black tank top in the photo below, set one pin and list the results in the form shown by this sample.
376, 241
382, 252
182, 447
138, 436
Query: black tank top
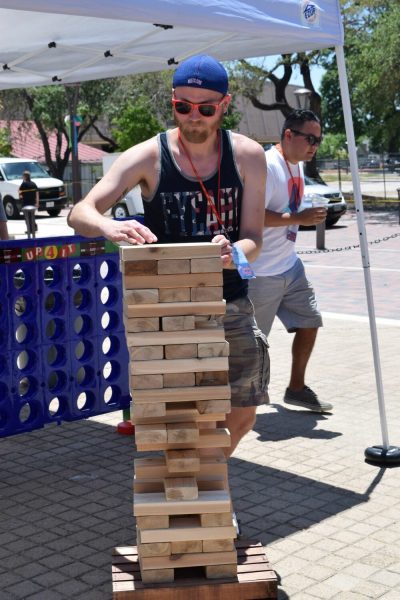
186, 216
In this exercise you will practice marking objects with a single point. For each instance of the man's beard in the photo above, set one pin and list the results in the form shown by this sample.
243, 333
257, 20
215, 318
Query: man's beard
194, 134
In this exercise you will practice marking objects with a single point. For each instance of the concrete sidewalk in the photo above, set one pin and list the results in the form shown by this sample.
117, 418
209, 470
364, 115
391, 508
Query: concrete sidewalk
330, 522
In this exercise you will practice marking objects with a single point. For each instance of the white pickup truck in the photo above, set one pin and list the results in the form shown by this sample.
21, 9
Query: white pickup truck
51, 190
132, 204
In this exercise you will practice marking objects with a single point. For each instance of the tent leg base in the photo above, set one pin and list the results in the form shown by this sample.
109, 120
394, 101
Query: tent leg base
383, 456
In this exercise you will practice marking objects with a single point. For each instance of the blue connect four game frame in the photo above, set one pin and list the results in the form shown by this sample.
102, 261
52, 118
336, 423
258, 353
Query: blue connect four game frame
63, 349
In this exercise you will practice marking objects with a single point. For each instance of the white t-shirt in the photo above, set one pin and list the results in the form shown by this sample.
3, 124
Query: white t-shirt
284, 191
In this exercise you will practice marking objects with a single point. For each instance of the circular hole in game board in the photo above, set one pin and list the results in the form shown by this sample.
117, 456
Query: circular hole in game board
56, 381
85, 375
22, 306
85, 401
110, 345
51, 276
111, 370
109, 320
111, 395
82, 324
56, 355
81, 273
108, 270
21, 279
55, 328
54, 302
109, 295
24, 333
27, 386
82, 299
26, 360
83, 350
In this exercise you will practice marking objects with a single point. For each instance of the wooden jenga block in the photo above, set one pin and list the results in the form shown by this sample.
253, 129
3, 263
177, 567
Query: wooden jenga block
140, 411
189, 560
182, 433
142, 324
176, 295
221, 571
207, 502
143, 297
195, 336
190, 365
157, 466
213, 406
146, 353
153, 549
155, 486
178, 380
146, 382
212, 378
173, 309
177, 323
140, 267
157, 575
223, 545
151, 434
206, 294
205, 265
169, 393
179, 461
172, 266
188, 547
153, 522
208, 438
161, 251
181, 488
189, 280
210, 350
180, 351
185, 528
216, 519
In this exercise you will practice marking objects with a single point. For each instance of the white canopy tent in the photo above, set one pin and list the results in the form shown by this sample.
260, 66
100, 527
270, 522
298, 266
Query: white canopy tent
65, 41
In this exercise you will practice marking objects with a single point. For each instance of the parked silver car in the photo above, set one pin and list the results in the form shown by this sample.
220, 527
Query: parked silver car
337, 205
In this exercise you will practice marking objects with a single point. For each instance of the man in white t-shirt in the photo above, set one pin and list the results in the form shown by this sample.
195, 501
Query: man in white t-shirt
281, 287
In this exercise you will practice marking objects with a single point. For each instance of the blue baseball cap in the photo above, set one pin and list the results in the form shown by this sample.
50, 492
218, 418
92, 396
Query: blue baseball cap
201, 71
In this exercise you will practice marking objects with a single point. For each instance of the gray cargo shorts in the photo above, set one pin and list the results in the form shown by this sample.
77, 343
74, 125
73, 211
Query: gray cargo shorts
248, 354
289, 296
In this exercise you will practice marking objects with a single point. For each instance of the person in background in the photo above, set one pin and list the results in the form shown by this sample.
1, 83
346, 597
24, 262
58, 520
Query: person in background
3, 222
281, 287
29, 194
199, 183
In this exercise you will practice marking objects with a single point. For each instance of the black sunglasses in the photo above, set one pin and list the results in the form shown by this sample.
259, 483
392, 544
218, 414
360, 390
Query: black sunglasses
184, 107
311, 139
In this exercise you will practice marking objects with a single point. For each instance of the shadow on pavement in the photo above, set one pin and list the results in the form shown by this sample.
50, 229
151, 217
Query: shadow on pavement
285, 424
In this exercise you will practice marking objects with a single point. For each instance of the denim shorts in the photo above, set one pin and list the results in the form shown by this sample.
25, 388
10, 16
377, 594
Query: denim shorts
248, 354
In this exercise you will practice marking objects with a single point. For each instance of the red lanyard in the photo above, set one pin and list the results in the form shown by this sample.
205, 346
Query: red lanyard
295, 186
206, 194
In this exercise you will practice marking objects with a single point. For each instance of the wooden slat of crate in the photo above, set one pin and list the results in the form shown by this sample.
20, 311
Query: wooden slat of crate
128, 252
255, 581
208, 438
189, 365
181, 394
167, 309
207, 502
197, 336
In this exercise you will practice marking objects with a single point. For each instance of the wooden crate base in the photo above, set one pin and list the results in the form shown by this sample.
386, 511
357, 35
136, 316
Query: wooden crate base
255, 580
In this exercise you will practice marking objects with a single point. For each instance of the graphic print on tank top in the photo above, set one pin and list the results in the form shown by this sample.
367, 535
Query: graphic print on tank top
295, 194
188, 214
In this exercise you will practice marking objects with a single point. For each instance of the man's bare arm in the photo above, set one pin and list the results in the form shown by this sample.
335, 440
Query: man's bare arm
251, 159
308, 216
136, 166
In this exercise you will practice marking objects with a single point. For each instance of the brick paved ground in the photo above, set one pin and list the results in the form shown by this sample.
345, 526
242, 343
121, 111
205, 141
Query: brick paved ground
330, 522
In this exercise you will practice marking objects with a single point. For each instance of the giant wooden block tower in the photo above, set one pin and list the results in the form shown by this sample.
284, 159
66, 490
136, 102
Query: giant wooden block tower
180, 390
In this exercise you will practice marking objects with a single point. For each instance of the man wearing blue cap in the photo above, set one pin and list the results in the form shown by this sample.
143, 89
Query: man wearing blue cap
199, 183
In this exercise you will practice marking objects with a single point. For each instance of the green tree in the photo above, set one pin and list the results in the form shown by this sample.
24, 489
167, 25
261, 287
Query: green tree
5, 144
249, 79
135, 124
373, 65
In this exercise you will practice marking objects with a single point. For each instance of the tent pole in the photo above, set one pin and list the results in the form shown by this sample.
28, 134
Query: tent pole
384, 454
